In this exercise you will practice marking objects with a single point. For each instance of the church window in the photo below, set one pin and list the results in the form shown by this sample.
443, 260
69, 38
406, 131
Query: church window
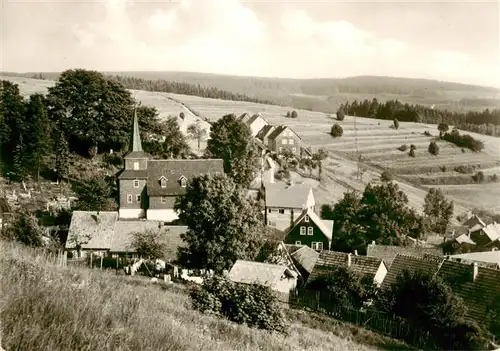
138, 198
163, 199
136, 183
136, 166
183, 181
163, 182
129, 198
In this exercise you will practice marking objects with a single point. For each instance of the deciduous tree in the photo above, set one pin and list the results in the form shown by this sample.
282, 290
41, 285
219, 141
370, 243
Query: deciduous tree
438, 210
223, 225
197, 132
149, 244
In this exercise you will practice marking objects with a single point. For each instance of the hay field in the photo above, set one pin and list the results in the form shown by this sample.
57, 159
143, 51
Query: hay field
376, 142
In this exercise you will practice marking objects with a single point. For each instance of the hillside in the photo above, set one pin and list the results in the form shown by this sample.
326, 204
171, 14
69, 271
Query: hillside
376, 142
111, 312
327, 94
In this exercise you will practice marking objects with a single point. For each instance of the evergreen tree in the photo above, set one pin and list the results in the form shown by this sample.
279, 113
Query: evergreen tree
62, 156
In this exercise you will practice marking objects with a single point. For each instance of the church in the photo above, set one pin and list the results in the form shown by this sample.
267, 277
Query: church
148, 188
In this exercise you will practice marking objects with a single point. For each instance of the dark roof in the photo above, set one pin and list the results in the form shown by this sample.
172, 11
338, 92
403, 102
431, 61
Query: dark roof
480, 295
362, 265
428, 264
173, 170
133, 174
471, 222
389, 252
276, 132
264, 130
4, 206
305, 257
252, 119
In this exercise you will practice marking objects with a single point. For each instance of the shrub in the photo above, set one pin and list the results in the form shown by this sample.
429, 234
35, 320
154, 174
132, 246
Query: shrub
113, 159
403, 147
251, 304
478, 177
443, 168
464, 169
340, 114
464, 141
426, 133
396, 123
288, 114
433, 148
294, 114
494, 178
386, 176
412, 150
336, 131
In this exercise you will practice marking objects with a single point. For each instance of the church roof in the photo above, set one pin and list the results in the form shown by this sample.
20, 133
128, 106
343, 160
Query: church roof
135, 142
173, 170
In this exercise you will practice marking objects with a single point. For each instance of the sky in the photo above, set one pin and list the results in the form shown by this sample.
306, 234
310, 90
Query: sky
451, 41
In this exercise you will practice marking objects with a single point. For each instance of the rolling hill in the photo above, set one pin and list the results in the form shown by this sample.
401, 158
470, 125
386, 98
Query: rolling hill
327, 94
376, 142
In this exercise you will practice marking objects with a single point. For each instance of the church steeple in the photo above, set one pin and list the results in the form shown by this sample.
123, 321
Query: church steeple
136, 143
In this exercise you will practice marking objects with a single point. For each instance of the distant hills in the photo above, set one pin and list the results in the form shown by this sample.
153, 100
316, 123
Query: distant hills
327, 94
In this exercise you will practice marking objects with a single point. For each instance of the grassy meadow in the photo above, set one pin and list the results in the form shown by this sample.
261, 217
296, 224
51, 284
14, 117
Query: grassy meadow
41, 309
376, 142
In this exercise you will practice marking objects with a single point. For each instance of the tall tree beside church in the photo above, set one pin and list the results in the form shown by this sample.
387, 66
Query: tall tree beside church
231, 140
90, 109
175, 144
12, 111
37, 134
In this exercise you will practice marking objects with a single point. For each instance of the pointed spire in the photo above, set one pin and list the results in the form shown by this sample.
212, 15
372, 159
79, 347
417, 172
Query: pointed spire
136, 136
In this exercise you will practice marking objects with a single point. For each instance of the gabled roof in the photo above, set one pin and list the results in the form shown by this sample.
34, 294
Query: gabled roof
286, 196
473, 221
172, 170
481, 295
428, 264
486, 256
305, 257
492, 231
465, 239
279, 255
133, 174
362, 265
124, 230
259, 273
264, 131
244, 117
326, 226
389, 252
280, 129
88, 224
456, 230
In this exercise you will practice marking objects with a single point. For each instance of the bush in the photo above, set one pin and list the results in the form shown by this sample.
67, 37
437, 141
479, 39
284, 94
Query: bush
336, 131
433, 148
251, 304
403, 147
426, 133
443, 168
464, 169
464, 141
396, 123
493, 178
113, 159
386, 176
294, 114
478, 177
340, 114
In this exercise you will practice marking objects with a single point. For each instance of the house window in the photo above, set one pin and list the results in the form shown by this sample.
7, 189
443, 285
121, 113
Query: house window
290, 141
317, 246
136, 183
129, 198
298, 243
282, 211
183, 181
138, 198
302, 230
310, 230
163, 182
306, 219
294, 150
284, 141
136, 166
163, 199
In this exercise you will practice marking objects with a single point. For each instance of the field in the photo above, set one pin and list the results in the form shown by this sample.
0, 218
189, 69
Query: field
376, 142
42, 310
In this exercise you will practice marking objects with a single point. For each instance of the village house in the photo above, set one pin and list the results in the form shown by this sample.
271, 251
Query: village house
284, 138
474, 222
264, 133
426, 264
255, 122
363, 266
277, 277
308, 229
285, 203
486, 236
104, 234
304, 258
276, 252
149, 188
389, 252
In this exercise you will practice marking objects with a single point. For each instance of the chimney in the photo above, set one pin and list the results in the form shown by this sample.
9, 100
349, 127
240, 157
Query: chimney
475, 271
373, 242
355, 252
349, 260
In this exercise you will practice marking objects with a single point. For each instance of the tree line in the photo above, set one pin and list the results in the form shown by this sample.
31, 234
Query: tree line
484, 122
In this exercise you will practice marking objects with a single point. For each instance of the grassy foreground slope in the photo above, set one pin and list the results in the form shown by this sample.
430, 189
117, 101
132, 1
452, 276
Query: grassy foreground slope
42, 310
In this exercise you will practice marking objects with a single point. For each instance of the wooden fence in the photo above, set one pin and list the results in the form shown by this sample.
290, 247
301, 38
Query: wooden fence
377, 321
